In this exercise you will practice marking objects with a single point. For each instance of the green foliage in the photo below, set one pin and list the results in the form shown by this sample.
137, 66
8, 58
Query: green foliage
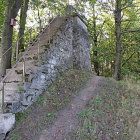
93, 11
20, 89
106, 41
2, 14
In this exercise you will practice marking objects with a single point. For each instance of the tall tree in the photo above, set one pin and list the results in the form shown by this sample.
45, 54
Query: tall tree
12, 9
117, 69
23, 15
95, 40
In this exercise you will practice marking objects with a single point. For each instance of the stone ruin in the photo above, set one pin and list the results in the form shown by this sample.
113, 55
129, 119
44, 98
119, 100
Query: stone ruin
63, 44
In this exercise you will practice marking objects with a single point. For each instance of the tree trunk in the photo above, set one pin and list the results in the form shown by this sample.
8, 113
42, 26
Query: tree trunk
138, 58
23, 15
12, 9
38, 13
95, 53
40, 22
117, 69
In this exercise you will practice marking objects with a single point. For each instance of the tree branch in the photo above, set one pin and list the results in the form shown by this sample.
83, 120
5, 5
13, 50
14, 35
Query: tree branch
129, 20
130, 6
137, 30
128, 59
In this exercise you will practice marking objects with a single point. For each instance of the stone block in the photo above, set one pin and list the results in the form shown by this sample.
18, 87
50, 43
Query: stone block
7, 122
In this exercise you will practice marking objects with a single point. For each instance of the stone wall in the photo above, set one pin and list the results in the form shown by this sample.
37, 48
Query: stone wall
69, 48
81, 45
57, 59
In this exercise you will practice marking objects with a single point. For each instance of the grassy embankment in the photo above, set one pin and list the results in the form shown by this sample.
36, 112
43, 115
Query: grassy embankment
113, 115
43, 113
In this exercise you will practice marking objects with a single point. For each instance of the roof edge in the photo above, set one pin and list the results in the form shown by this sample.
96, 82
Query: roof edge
76, 14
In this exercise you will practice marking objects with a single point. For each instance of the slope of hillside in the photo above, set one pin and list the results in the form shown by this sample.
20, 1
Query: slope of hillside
113, 114
43, 113
103, 109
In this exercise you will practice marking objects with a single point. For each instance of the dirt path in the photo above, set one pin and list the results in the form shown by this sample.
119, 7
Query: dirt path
67, 118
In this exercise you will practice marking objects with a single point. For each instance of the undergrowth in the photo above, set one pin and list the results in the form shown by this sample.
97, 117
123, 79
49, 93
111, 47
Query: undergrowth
43, 113
130, 102
113, 115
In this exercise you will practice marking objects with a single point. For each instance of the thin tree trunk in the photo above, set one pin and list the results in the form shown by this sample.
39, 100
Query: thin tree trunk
138, 58
95, 53
40, 22
117, 69
23, 15
38, 13
12, 9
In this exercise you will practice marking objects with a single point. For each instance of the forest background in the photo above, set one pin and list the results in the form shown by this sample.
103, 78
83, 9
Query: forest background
113, 25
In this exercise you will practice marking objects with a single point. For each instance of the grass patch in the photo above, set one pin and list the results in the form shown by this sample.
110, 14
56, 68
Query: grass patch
114, 114
43, 113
